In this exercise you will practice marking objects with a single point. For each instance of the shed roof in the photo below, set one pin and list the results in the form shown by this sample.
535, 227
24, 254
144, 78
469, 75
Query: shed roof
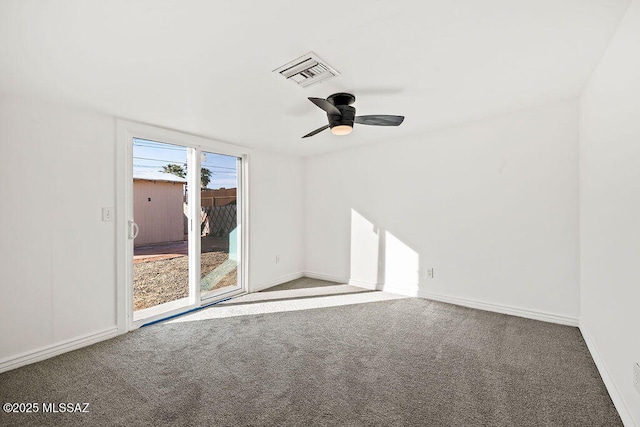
157, 176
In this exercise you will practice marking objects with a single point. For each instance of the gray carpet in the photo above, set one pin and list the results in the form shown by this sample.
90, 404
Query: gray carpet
401, 362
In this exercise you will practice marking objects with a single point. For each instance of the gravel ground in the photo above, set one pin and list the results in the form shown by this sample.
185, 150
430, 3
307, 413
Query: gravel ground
157, 282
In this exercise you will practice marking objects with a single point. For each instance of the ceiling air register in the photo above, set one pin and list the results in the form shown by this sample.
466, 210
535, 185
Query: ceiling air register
307, 70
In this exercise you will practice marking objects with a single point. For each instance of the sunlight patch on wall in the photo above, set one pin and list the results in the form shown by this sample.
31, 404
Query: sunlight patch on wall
364, 250
402, 265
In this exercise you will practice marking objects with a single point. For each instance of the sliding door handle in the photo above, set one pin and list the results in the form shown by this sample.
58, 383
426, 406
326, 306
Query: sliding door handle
133, 230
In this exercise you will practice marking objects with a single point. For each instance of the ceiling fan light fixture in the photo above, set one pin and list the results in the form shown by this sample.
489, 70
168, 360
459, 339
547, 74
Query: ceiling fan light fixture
342, 116
341, 130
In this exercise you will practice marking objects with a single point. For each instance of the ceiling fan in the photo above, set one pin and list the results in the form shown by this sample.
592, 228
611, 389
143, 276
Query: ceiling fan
342, 115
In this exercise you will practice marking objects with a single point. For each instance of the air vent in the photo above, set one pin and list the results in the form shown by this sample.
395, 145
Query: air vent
307, 70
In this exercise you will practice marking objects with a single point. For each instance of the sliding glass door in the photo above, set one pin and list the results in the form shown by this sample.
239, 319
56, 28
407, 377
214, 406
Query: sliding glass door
184, 224
220, 224
161, 263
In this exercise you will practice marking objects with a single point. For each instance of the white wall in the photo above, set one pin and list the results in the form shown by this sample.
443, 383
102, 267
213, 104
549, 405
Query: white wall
276, 204
58, 261
58, 272
610, 209
492, 206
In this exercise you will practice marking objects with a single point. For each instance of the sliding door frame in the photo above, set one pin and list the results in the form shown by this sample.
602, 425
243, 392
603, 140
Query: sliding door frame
126, 132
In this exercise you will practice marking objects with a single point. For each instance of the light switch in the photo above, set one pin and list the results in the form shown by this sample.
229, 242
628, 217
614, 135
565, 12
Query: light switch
107, 214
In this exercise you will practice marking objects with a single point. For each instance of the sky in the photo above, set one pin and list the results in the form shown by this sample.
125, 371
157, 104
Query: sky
152, 156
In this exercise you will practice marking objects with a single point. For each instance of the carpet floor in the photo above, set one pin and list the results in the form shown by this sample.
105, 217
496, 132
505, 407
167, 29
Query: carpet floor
399, 362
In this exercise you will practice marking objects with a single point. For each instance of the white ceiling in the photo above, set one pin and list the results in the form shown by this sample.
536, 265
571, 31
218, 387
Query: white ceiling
205, 67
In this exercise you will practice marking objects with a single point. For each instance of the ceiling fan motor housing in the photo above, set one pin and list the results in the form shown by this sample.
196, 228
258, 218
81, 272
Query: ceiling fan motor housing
341, 98
345, 119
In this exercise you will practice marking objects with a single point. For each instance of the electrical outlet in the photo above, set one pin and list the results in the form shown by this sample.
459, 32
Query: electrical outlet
277, 259
430, 273
636, 376
107, 214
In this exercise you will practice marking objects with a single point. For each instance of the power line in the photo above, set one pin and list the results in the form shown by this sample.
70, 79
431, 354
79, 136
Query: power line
158, 147
177, 162
159, 160
217, 173
219, 167
176, 148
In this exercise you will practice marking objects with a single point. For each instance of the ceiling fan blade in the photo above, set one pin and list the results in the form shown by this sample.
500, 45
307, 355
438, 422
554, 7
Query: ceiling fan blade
325, 127
380, 120
326, 106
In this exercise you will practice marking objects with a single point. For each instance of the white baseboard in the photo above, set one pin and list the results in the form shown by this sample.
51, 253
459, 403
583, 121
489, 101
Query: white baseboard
615, 395
56, 349
362, 284
328, 278
487, 306
276, 282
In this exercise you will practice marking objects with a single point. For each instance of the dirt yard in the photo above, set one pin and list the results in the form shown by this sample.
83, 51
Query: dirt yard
159, 281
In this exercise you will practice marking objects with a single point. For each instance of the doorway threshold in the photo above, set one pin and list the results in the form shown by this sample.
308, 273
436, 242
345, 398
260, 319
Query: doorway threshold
148, 313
